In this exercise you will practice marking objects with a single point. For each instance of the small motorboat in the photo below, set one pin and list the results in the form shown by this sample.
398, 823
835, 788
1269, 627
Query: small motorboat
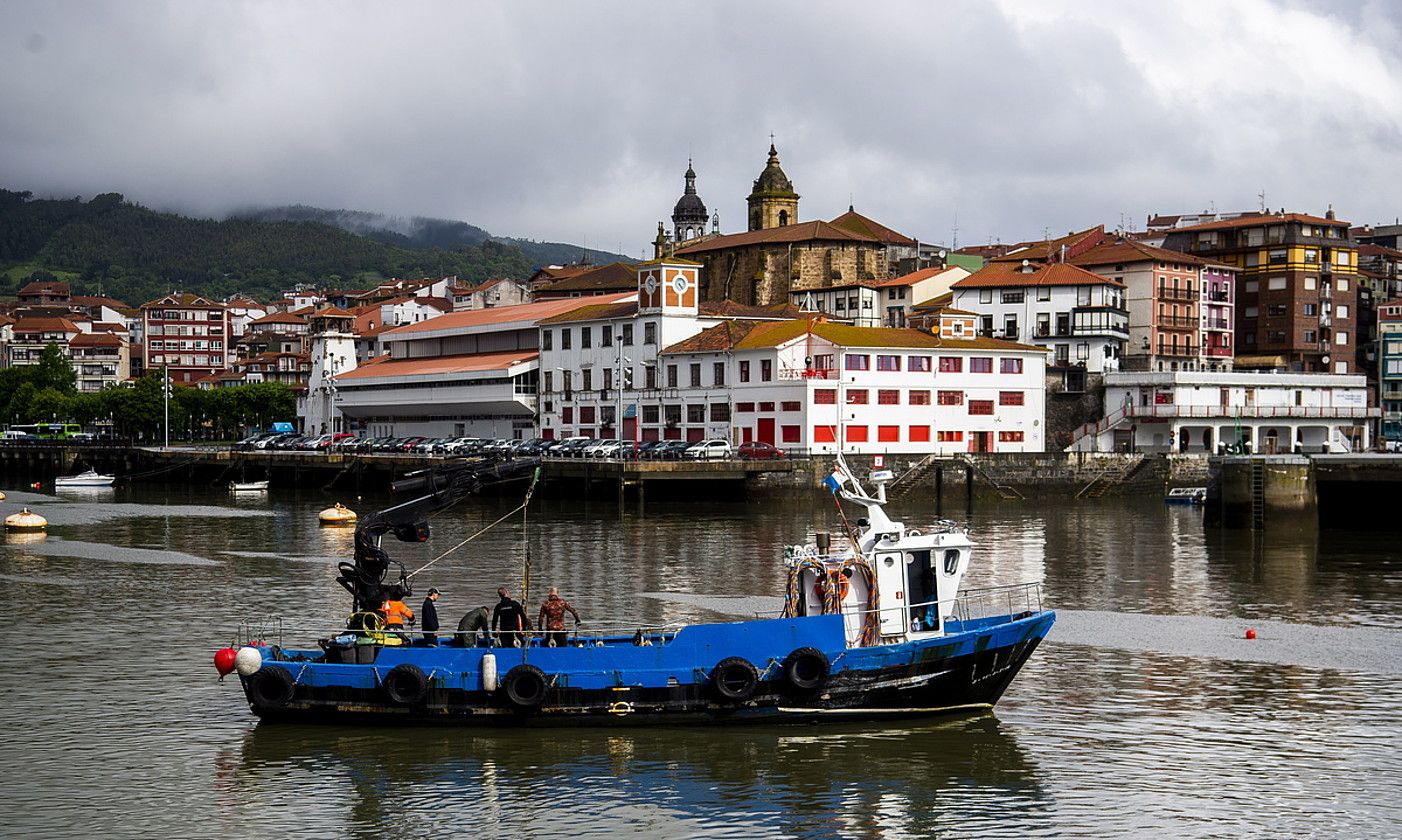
91, 478
248, 486
1186, 496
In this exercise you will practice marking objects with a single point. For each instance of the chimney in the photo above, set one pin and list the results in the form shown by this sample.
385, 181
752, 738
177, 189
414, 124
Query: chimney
1329, 214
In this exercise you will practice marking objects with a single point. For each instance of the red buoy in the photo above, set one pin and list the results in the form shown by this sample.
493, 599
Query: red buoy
1250, 633
224, 661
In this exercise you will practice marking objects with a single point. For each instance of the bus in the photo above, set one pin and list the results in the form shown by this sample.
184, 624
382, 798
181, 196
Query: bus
50, 431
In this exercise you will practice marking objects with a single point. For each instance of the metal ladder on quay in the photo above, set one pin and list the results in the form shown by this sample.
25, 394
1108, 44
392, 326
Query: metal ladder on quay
1258, 495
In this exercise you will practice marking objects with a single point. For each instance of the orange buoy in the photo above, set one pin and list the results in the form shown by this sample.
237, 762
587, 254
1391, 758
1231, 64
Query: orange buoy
1250, 633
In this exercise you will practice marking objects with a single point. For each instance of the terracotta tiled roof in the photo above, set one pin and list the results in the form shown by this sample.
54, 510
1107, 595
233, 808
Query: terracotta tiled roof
1256, 221
47, 288
332, 312
96, 300
733, 335
916, 276
384, 366
1367, 249
594, 312
1075, 242
1128, 251
29, 325
95, 340
614, 276
801, 232
857, 223
707, 309
997, 274
532, 312
941, 302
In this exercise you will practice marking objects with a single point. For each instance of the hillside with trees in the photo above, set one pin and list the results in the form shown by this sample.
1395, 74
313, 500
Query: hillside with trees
110, 246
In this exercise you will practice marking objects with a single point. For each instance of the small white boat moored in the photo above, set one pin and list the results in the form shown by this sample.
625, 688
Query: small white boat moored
1186, 496
91, 478
248, 486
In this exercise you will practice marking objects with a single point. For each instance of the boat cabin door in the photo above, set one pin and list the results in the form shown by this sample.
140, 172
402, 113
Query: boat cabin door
890, 589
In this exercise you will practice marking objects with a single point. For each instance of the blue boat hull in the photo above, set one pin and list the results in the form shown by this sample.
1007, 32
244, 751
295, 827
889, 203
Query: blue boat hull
672, 682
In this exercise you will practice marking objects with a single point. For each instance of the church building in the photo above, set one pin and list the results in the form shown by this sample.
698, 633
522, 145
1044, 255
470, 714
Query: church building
779, 254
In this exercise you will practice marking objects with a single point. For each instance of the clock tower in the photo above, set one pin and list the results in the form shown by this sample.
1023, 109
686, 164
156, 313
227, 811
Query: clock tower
669, 287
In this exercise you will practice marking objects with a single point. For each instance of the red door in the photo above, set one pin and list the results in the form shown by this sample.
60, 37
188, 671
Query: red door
630, 428
747, 434
980, 441
766, 430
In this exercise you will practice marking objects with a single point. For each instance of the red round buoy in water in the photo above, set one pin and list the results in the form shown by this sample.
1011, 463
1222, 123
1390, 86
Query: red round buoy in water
224, 661
1250, 633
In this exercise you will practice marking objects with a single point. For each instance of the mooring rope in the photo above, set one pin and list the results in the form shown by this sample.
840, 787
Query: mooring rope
529, 491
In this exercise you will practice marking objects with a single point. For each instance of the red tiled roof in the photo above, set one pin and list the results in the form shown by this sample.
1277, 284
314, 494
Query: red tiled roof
801, 232
916, 276
1368, 249
95, 340
533, 312
1129, 251
28, 325
1050, 274
384, 366
707, 309
47, 288
183, 299
332, 312
1254, 221
1075, 242
614, 276
857, 223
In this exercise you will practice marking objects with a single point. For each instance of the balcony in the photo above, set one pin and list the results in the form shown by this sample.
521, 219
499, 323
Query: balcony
1216, 352
789, 373
1216, 324
1179, 322
1186, 351
1170, 293
1259, 411
1219, 296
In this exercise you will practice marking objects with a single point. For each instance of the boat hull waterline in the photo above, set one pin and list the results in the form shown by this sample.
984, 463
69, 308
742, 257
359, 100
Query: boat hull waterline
673, 681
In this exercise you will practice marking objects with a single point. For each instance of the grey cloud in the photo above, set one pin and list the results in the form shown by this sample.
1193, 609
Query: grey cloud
574, 121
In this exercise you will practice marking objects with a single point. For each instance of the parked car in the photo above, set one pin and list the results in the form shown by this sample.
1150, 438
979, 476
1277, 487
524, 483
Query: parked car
758, 450
408, 443
596, 449
714, 449
670, 450
569, 447
328, 441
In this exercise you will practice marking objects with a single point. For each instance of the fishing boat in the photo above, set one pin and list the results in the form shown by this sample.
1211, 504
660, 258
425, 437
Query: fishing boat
874, 625
1186, 496
91, 478
248, 486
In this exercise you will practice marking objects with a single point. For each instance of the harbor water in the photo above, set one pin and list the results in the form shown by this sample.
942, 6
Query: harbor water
1145, 713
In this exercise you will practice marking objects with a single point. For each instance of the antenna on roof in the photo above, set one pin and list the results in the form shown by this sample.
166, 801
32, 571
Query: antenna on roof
1262, 195
954, 244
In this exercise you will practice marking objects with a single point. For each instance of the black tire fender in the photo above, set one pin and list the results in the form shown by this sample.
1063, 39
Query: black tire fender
271, 687
406, 684
734, 679
807, 669
525, 686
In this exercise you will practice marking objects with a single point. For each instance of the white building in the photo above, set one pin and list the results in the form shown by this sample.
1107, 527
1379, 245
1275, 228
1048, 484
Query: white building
690, 373
491, 293
464, 373
1199, 411
412, 309
332, 351
1078, 315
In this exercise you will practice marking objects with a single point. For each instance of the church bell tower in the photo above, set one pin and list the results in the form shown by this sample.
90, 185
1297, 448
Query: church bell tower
773, 202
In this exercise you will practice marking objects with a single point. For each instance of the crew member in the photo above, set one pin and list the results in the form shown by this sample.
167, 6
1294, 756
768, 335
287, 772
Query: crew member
397, 613
472, 627
510, 618
429, 614
552, 618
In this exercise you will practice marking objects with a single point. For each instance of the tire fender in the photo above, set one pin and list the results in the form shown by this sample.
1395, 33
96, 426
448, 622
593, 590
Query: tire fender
271, 687
806, 669
525, 686
734, 679
406, 685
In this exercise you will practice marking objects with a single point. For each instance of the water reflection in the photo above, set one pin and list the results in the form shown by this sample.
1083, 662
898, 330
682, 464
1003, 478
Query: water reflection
811, 782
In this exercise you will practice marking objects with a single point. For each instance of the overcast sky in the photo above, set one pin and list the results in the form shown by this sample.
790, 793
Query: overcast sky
574, 121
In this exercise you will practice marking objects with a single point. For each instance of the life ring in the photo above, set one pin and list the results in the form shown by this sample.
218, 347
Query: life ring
271, 687
525, 686
735, 679
828, 579
406, 684
806, 669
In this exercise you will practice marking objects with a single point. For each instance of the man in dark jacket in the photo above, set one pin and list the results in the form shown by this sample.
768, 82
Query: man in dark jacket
509, 617
429, 616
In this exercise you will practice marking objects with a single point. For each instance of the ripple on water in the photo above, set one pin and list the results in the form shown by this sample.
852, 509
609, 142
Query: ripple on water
58, 547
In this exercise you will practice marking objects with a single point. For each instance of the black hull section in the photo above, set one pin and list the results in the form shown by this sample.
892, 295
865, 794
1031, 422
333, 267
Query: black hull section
948, 685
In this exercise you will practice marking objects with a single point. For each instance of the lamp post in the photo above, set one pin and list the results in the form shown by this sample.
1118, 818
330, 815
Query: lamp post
165, 391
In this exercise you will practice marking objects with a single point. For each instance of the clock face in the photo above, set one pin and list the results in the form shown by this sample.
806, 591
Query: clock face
679, 284
650, 284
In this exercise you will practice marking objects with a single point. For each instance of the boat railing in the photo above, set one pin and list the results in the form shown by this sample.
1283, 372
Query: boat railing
273, 630
969, 605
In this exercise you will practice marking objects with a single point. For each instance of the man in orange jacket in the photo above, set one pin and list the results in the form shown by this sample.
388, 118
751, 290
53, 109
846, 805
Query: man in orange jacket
397, 613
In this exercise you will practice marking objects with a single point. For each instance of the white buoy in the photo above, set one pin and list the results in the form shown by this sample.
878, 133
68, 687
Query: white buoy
338, 515
25, 522
2, 495
489, 672
248, 660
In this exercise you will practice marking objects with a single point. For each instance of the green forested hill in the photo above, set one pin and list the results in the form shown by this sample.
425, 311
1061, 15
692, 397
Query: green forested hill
136, 254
